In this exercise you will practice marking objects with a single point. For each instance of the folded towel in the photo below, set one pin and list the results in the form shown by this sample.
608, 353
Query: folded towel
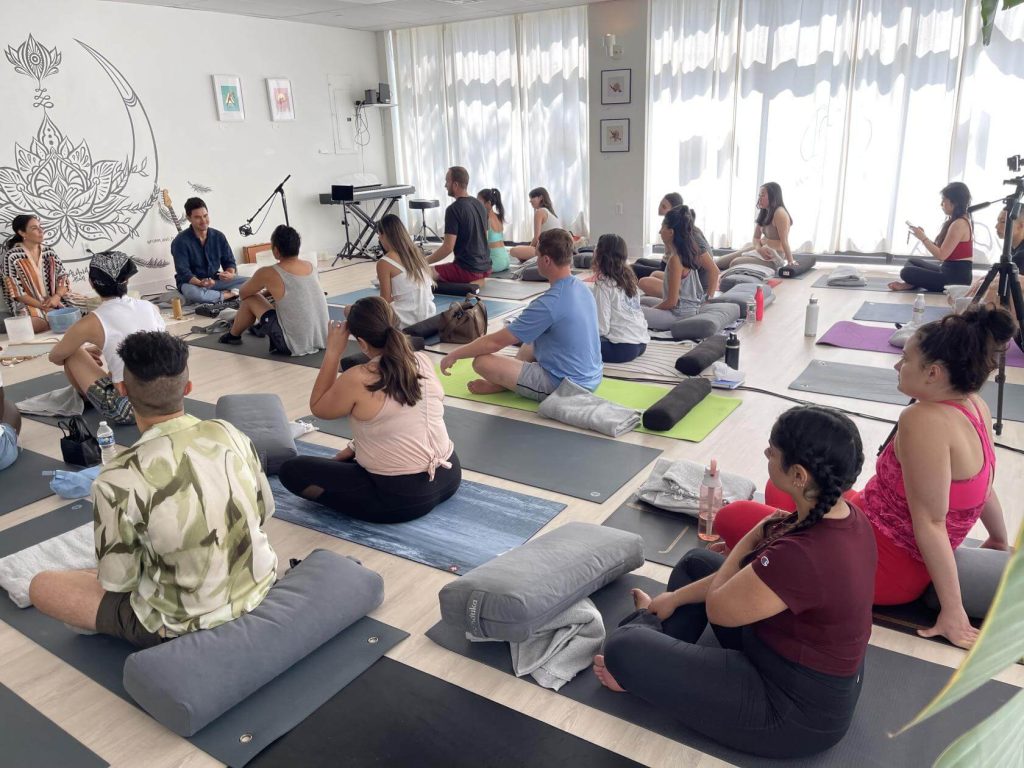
573, 405
71, 551
675, 486
60, 402
763, 272
848, 276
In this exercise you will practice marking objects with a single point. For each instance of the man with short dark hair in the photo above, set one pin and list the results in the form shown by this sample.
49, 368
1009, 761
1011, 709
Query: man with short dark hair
204, 267
558, 332
465, 234
178, 517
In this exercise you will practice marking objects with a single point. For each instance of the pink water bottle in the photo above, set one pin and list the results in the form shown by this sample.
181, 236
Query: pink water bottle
759, 304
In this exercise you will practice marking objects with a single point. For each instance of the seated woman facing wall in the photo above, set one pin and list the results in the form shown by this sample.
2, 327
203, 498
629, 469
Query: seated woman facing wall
953, 247
620, 318
790, 607
400, 463
770, 244
34, 277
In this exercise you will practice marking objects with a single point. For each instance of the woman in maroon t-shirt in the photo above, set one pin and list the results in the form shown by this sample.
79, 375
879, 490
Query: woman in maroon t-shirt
790, 606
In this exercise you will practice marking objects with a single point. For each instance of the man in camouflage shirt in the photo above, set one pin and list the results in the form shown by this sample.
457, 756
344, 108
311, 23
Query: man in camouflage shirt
178, 517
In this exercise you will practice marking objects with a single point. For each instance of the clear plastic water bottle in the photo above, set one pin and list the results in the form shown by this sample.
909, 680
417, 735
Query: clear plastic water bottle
811, 317
917, 318
105, 437
710, 502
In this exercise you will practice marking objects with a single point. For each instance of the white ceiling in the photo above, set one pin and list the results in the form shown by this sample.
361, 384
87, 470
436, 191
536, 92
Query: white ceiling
370, 15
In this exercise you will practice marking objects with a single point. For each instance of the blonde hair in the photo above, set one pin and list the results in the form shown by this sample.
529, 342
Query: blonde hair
410, 257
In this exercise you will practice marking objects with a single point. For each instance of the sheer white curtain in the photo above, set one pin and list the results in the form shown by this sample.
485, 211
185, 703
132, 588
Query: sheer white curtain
506, 98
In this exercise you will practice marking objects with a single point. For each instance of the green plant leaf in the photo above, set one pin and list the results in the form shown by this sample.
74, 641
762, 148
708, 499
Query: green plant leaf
988, 19
1008, 4
996, 740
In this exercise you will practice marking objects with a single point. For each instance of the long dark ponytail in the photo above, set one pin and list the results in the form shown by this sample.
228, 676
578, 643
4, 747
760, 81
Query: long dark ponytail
20, 224
492, 197
372, 320
960, 196
684, 243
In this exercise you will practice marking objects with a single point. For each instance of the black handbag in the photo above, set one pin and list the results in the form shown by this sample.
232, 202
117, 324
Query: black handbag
79, 445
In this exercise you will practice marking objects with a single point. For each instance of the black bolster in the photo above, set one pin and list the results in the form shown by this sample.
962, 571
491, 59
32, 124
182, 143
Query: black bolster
359, 358
668, 411
804, 263
456, 289
701, 356
425, 328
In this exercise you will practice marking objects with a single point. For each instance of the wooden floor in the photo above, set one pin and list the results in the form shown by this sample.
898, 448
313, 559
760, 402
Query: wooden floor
773, 353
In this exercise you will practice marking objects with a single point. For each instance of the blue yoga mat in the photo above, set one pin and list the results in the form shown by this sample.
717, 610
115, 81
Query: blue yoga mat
442, 302
476, 525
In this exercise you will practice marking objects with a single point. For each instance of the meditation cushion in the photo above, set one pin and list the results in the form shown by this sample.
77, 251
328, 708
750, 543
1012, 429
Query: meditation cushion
742, 294
583, 260
456, 289
804, 263
262, 419
192, 680
531, 275
515, 594
680, 400
710, 320
701, 356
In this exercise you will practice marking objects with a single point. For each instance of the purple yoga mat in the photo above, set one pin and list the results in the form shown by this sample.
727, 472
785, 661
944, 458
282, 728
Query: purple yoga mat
849, 335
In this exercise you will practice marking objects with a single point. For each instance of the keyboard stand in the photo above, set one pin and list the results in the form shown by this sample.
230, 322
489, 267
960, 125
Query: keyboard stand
360, 248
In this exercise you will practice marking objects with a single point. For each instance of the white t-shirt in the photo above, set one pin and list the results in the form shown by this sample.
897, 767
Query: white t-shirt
619, 318
412, 302
550, 222
122, 317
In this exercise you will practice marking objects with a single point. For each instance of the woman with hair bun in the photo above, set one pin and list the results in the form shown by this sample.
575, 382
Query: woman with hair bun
400, 463
933, 480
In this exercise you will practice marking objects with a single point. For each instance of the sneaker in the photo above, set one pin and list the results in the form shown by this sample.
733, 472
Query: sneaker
227, 338
233, 303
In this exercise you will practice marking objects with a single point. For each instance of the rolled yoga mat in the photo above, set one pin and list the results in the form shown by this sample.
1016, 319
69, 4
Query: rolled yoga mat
456, 289
680, 400
701, 356
31, 740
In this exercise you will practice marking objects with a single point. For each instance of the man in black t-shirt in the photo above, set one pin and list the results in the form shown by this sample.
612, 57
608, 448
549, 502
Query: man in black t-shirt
465, 233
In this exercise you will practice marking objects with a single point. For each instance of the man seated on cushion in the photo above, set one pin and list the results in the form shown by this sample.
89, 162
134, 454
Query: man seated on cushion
178, 517
558, 332
10, 426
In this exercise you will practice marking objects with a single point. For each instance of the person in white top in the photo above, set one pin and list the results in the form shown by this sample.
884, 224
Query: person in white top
620, 318
544, 218
88, 350
403, 274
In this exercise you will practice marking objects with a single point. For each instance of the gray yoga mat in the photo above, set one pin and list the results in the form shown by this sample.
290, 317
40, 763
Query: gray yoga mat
863, 382
667, 536
24, 482
31, 740
887, 312
895, 688
513, 290
583, 466
266, 715
876, 283
253, 346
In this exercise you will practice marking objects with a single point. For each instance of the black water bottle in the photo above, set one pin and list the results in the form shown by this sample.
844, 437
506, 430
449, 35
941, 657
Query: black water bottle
732, 352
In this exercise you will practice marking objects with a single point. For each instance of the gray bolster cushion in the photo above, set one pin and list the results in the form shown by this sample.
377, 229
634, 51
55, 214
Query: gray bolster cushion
262, 419
743, 293
980, 571
804, 263
190, 681
710, 320
680, 400
532, 275
699, 358
513, 595
456, 289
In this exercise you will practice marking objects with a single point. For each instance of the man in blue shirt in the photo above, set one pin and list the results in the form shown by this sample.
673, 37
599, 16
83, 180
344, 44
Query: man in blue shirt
558, 331
204, 267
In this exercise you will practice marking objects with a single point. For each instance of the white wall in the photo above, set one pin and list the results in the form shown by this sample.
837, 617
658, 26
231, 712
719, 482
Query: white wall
168, 57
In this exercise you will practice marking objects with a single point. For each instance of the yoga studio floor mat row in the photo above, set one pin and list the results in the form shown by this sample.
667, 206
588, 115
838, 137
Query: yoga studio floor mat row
24, 483
695, 426
513, 290
887, 312
28, 739
476, 525
866, 745
876, 283
253, 346
441, 302
268, 714
583, 466
394, 715
667, 535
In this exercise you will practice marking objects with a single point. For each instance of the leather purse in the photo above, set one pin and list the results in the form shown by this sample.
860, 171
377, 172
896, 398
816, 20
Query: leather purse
78, 446
464, 321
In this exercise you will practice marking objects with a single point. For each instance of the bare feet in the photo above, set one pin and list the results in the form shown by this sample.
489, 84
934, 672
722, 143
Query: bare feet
899, 285
604, 676
484, 387
640, 599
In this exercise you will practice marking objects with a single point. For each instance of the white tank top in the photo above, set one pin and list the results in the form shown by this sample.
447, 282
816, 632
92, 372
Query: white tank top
412, 302
551, 222
123, 317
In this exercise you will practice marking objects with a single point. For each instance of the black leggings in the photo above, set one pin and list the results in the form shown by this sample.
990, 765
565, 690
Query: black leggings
620, 353
932, 275
644, 267
351, 490
743, 695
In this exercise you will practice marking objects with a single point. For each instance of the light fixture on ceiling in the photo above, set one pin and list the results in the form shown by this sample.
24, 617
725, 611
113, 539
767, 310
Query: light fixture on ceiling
614, 51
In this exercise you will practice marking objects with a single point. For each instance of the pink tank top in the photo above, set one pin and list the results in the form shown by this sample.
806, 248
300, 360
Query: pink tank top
884, 498
406, 439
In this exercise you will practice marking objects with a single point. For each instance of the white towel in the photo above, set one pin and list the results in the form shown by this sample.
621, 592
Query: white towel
675, 486
71, 551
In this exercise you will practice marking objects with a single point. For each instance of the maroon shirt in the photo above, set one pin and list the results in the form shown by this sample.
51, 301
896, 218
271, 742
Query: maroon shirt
825, 575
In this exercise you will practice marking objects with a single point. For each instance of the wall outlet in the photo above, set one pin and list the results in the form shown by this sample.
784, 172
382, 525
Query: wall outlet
619, 209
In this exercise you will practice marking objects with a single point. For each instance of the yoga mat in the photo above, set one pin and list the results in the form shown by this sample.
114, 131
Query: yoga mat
876, 283
476, 525
253, 346
578, 465
24, 482
442, 302
886, 312
862, 382
895, 688
516, 290
338, 313
31, 740
667, 535
272, 711
695, 426
394, 715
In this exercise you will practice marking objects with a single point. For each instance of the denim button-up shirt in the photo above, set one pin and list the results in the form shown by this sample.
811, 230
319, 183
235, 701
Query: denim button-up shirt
202, 260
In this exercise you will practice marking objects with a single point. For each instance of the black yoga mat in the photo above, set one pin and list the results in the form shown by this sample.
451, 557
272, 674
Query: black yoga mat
269, 713
24, 482
887, 312
667, 535
875, 283
394, 715
584, 466
895, 688
252, 346
31, 740
863, 382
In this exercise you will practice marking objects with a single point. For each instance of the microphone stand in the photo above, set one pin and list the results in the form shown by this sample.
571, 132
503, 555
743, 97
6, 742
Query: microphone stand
246, 229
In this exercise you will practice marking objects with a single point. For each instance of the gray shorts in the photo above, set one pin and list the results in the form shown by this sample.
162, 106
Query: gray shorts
534, 382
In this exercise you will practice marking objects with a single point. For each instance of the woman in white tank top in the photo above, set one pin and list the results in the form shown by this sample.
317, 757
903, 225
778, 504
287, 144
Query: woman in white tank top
403, 274
544, 218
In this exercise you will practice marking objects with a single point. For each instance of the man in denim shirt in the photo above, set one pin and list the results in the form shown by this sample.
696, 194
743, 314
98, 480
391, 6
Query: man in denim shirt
204, 267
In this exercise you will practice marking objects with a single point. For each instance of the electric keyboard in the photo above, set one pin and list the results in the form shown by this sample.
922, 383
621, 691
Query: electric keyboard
350, 197
348, 194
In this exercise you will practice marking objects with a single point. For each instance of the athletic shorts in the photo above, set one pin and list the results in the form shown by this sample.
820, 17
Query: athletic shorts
112, 405
8, 446
116, 617
534, 382
270, 327
453, 273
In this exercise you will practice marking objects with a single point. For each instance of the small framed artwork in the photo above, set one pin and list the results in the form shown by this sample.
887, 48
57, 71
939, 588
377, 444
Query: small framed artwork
282, 104
227, 90
615, 86
615, 135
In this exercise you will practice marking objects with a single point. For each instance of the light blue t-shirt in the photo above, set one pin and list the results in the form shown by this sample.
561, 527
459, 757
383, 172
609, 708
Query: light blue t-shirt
562, 326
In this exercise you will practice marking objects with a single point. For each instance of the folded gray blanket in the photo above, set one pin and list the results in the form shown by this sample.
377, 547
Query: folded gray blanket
850, 277
675, 486
573, 405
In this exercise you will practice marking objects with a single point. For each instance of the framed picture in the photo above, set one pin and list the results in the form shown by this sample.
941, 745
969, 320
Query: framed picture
282, 104
615, 135
615, 86
227, 90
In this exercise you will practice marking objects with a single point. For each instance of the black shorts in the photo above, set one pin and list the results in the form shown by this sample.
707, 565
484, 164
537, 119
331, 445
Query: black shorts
270, 327
116, 617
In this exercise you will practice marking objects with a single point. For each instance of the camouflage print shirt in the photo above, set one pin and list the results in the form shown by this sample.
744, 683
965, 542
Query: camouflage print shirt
178, 524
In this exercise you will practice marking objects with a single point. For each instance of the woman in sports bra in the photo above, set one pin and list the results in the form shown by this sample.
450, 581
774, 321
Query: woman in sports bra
770, 244
954, 247
933, 480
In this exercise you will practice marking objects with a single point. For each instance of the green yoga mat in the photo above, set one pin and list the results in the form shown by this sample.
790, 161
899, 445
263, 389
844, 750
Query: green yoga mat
695, 426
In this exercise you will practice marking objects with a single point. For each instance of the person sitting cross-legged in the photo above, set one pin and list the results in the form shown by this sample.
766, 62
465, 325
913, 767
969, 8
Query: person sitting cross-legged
204, 267
178, 517
558, 332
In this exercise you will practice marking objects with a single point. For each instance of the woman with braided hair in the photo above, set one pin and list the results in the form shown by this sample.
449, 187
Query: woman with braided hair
790, 606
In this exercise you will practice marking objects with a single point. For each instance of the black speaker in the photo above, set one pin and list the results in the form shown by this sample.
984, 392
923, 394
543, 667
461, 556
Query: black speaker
370, 96
383, 93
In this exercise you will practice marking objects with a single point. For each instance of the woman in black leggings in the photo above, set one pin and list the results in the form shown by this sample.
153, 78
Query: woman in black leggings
790, 606
953, 248
401, 462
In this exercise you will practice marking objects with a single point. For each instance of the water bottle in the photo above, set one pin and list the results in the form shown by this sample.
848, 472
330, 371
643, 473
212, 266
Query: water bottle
710, 502
732, 352
917, 318
811, 317
105, 437
751, 315
759, 303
